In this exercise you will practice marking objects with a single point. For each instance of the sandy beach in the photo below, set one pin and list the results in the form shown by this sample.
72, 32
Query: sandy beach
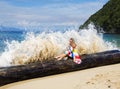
105, 77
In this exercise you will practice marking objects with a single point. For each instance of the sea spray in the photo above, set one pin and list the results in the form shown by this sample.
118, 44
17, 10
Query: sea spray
45, 46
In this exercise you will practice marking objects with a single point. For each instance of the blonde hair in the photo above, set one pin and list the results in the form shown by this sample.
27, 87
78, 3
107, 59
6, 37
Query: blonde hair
72, 39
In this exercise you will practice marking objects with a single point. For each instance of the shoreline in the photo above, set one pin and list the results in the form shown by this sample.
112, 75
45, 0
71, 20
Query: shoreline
104, 77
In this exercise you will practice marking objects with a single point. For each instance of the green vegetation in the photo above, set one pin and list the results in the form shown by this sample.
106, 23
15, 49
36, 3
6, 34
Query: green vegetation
107, 18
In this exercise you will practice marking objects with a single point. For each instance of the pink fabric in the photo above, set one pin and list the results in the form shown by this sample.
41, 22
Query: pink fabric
73, 53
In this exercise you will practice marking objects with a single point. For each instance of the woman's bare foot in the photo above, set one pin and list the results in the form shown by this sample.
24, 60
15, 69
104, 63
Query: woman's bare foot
58, 58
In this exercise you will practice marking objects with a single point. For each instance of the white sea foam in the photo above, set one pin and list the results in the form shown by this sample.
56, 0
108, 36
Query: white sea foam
45, 46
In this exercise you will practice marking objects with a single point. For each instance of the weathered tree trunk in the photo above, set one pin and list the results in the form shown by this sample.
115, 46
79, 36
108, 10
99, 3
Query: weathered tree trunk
50, 67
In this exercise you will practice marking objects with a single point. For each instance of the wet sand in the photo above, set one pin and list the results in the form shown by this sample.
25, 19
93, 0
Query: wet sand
105, 77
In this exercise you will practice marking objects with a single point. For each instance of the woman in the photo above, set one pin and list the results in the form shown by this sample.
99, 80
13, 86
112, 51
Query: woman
71, 52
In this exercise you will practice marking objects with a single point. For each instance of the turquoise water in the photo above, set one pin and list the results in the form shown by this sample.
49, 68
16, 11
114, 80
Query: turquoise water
114, 38
9, 36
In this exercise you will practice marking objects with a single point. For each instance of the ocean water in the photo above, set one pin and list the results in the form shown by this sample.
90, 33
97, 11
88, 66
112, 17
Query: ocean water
8, 36
114, 38
19, 47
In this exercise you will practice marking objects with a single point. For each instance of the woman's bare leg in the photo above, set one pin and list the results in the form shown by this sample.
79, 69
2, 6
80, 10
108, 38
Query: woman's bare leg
61, 56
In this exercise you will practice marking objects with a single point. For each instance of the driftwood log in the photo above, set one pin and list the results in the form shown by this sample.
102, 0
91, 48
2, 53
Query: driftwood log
50, 67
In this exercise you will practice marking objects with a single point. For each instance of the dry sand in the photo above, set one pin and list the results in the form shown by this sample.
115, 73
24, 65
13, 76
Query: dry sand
105, 77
